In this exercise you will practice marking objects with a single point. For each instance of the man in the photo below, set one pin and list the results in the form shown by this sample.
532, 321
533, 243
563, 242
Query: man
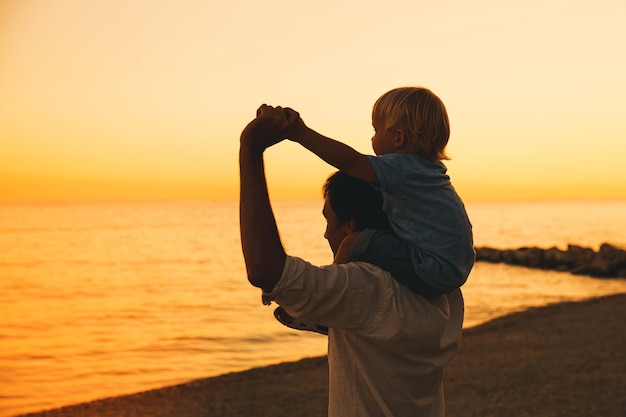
387, 346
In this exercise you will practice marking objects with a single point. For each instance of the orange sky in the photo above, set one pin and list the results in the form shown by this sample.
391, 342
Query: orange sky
146, 99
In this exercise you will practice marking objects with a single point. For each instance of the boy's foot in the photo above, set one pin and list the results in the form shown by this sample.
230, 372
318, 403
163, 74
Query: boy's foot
282, 316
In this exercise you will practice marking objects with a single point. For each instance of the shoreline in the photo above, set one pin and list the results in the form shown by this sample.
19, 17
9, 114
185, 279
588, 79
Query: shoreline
561, 359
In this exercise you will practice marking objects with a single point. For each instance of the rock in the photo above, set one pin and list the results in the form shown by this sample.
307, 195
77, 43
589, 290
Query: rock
608, 261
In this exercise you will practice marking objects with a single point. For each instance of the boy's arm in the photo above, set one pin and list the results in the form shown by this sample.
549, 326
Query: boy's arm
335, 153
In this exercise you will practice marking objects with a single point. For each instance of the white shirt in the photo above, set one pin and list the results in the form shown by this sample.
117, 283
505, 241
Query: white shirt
387, 346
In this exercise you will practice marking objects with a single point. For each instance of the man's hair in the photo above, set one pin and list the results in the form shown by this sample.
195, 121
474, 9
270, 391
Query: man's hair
421, 114
354, 199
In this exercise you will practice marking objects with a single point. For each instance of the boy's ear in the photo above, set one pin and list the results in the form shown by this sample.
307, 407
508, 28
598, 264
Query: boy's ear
400, 138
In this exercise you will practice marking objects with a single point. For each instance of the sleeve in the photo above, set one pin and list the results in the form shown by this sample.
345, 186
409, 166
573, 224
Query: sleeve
388, 169
340, 296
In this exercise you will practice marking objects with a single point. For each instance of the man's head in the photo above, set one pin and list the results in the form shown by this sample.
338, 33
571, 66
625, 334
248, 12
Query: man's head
420, 115
351, 205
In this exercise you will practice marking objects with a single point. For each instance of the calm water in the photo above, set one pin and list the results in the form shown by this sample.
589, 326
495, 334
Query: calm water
98, 300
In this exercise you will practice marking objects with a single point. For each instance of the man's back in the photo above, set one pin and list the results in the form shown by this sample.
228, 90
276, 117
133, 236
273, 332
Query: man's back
387, 346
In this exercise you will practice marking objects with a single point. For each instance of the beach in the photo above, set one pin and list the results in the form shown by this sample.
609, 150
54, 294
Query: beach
560, 360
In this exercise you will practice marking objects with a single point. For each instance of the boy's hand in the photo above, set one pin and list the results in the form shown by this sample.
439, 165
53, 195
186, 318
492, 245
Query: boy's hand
296, 124
286, 117
271, 125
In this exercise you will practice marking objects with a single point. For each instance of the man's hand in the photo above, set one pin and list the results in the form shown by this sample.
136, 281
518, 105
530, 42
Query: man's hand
271, 125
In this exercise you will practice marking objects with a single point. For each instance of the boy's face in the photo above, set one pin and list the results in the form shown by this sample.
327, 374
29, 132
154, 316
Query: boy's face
384, 141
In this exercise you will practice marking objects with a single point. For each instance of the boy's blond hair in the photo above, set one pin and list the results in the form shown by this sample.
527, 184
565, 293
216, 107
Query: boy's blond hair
423, 117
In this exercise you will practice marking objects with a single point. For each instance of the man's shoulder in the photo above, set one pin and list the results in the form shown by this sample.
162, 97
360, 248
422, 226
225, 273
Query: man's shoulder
345, 296
353, 277
294, 264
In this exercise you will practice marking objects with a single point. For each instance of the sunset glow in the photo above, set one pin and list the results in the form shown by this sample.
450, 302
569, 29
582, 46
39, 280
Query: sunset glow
146, 99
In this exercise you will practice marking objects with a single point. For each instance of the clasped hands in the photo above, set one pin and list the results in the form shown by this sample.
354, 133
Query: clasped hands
271, 125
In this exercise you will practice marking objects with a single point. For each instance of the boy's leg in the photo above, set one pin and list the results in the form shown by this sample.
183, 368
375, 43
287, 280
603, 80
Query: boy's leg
389, 252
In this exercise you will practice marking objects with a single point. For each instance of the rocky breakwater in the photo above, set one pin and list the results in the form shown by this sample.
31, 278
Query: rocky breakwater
608, 261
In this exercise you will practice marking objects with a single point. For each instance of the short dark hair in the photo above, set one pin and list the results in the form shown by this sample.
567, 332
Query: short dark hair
354, 199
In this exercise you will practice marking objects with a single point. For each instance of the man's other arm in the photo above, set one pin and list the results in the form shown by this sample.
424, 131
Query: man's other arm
263, 251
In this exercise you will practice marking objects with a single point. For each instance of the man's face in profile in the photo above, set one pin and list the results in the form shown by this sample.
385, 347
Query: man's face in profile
335, 230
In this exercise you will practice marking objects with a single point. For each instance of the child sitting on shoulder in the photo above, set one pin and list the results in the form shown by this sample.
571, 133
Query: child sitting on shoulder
431, 248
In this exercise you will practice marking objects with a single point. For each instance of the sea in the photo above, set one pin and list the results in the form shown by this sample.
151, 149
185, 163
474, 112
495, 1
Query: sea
111, 298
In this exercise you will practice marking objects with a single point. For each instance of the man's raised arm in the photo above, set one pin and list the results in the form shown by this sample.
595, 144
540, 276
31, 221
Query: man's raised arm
263, 251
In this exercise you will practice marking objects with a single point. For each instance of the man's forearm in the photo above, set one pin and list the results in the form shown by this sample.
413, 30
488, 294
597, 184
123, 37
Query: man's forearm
262, 249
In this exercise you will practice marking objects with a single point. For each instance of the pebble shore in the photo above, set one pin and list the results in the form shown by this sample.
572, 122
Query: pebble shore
560, 360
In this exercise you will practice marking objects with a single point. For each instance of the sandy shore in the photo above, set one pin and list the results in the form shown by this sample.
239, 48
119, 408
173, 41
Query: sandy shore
562, 360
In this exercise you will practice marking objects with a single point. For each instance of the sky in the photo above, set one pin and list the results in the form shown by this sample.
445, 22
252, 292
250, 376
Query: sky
146, 99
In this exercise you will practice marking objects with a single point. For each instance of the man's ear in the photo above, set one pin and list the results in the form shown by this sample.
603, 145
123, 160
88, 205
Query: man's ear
350, 225
400, 139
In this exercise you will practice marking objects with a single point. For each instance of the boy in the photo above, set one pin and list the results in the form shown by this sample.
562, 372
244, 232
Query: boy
431, 248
